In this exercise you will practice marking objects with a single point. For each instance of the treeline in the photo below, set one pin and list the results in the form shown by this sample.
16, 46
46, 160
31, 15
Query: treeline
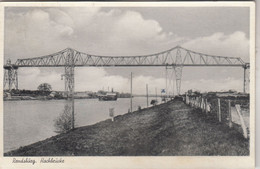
17, 92
33, 93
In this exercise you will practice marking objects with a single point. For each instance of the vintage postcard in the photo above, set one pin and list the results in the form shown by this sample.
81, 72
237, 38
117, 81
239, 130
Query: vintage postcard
127, 85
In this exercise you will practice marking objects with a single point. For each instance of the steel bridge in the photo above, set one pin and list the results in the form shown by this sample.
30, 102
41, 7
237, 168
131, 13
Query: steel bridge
173, 59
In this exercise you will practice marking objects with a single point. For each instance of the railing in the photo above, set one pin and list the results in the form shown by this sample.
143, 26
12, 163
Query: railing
232, 111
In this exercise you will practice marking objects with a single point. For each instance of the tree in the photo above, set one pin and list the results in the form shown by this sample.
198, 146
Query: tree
63, 123
44, 87
189, 92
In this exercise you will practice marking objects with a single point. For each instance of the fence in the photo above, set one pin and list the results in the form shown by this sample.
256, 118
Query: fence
233, 111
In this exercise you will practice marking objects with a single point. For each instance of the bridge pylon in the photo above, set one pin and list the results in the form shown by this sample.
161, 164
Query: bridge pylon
10, 76
170, 76
69, 82
178, 71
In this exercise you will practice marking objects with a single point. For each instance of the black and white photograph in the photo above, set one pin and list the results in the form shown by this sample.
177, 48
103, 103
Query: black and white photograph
128, 80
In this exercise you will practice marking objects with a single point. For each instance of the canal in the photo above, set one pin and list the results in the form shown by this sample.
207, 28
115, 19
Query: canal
29, 121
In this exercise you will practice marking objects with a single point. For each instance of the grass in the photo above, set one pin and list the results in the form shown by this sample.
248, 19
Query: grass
171, 129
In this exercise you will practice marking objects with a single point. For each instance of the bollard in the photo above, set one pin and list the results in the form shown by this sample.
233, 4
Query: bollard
111, 113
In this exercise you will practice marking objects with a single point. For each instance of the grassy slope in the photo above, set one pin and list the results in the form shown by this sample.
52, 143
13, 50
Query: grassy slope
169, 129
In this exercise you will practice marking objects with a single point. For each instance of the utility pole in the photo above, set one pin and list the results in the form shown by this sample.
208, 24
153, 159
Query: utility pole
131, 89
156, 93
147, 94
166, 81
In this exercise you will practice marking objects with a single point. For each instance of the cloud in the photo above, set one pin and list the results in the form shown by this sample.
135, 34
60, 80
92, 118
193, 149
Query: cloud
31, 78
88, 79
33, 33
94, 79
206, 85
113, 32
232, 45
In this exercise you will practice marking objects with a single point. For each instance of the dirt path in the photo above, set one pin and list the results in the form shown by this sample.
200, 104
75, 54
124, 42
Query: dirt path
167, 129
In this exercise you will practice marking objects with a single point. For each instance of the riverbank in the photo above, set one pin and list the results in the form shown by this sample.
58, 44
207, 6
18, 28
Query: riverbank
20, 98
172, 128
16, 94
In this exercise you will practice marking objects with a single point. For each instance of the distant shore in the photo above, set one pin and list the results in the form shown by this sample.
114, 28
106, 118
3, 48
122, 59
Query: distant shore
168, 129
20, 98
16, 94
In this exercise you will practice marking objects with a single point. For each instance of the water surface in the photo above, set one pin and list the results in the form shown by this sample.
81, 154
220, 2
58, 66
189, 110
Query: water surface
29, 121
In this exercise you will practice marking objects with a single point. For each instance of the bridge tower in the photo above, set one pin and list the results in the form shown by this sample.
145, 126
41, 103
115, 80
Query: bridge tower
69, 82
170, 73
246, 84
10, 76
178, 70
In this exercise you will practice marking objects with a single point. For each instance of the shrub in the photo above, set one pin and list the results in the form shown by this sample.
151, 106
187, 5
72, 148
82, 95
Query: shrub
139, 108
153, 102
63, 123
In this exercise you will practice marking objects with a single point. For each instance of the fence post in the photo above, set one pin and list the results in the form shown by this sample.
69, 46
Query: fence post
203, 106
241, 120
186, 99
219, 111
202, 103
229, 114
206, 106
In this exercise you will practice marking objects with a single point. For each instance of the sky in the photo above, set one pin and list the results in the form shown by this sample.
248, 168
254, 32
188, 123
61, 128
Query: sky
39, 31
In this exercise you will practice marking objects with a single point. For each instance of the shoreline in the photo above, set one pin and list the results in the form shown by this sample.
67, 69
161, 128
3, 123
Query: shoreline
76, 98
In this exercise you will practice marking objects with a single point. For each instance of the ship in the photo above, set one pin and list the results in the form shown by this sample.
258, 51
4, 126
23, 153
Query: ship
109, 96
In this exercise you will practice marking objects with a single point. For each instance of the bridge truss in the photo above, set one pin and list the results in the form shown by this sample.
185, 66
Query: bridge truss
177, 56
